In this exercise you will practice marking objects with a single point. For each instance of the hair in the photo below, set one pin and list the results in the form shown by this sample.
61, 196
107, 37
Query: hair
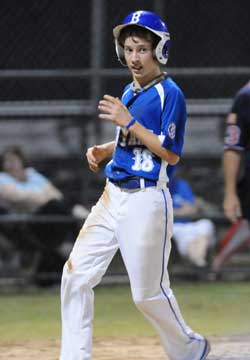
14, 150
140, 32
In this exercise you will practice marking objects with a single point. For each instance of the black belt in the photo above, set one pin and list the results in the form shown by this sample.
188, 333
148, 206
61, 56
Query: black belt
134, 182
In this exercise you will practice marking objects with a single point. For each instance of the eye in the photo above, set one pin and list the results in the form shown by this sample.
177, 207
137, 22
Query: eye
127, 50
143, 50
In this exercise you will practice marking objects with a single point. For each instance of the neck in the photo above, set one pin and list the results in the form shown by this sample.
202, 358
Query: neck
137, 89
140, 83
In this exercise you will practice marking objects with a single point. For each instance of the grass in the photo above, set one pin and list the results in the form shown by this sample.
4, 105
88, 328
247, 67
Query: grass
212, 309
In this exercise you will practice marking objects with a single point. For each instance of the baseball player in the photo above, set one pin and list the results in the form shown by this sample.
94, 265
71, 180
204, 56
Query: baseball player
236, 165
134, 212
237, 148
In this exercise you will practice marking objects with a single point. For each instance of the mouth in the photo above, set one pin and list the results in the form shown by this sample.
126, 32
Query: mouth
136, 69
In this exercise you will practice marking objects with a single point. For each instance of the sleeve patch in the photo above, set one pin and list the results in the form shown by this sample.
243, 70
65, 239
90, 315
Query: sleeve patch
172, 130
232, 135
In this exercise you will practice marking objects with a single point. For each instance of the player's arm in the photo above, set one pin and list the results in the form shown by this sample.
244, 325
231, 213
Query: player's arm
231, 166
97, 153
113, 110
235, 143
152, 142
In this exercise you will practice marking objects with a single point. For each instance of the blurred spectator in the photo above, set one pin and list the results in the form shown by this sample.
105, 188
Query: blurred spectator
236, 166
193, 236
23, 190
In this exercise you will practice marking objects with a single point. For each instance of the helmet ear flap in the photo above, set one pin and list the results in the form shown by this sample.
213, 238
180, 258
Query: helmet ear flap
120, 53
161, 51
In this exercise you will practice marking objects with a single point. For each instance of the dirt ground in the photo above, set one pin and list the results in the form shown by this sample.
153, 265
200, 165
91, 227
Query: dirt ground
233, 348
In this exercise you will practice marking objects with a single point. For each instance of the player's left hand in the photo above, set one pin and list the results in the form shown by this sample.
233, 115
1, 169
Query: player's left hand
232, 207
112, 109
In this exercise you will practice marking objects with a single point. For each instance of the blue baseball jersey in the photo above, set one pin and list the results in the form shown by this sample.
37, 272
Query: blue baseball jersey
162, 110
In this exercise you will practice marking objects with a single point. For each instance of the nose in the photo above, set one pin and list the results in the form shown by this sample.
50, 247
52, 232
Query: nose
135, 56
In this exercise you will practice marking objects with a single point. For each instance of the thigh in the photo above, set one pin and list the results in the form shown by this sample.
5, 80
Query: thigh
144, 238
96, 243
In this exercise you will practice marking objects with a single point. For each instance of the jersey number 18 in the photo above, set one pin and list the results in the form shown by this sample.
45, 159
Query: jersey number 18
142, 160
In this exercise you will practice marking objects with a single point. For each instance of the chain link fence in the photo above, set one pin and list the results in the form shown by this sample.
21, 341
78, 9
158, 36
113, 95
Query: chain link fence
57, 59
61, 34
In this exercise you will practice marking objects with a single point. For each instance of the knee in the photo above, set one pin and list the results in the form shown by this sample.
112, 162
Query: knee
141, 304
145, 302
147, 306
142, 301
67, 273
68, 267
67, 277
75, 276
72, 280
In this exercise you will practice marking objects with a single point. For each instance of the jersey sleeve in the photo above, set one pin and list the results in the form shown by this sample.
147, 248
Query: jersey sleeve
173, 121
237, 131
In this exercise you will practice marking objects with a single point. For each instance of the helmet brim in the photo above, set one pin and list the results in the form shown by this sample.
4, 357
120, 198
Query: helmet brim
117, 30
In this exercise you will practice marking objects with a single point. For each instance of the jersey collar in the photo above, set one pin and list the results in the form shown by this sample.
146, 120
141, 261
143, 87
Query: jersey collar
151, 83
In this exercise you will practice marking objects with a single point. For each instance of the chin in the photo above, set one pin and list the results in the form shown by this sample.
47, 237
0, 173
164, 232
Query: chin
138, 76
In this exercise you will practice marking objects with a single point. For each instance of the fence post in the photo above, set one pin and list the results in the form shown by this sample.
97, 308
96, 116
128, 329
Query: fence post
97, 21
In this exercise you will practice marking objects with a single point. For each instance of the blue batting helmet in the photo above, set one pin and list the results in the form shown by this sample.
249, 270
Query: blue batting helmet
153, 23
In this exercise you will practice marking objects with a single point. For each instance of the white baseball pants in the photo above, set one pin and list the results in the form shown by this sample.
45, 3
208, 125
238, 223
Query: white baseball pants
139, 222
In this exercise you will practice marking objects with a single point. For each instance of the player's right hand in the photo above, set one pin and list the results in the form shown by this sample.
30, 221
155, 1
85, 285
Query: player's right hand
95, 155
232, 207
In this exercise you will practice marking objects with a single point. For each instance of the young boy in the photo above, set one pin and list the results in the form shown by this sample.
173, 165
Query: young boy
135, 212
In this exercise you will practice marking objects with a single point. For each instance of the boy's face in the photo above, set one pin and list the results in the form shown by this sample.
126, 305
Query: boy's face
139, 58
